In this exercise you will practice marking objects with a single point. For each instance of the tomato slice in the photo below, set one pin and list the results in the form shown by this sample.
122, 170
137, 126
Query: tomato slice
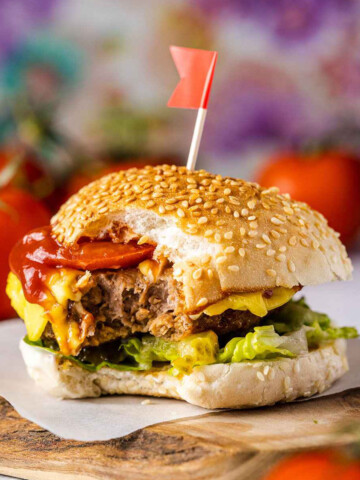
41, 248
34, 258
99, 255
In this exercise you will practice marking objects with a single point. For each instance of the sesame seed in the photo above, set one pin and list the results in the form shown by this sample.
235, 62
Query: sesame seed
234, 200
303, 242
180, 213
205, 259
275, 234
229, 249
251, 204
252, 217
253, 225
221, 260
281, 257
233, 268
220, 200
270, 190
236, 214
253, 233
210, 273
143, 239
260, 245
266, 238
228, 235
202, 220
292, 241
209, 233
260, 376
242, 231
276, 221
315, 244
291, 266
244, 212
217, 237
197, 274
271, 272
288, 210
282, 249
185, 204
191, 180
227, 191
266, 369
214, 211
270, 252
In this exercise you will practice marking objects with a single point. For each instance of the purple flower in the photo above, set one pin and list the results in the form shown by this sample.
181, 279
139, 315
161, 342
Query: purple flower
18, 17
250, 111
287, 19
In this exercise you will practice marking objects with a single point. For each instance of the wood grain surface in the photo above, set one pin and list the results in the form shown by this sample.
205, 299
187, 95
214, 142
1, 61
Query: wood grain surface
239, 445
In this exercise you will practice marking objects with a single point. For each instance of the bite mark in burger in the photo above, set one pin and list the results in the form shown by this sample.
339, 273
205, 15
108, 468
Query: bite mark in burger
169, 282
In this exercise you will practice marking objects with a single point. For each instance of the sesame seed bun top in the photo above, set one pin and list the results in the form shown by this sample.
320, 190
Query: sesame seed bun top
224, 235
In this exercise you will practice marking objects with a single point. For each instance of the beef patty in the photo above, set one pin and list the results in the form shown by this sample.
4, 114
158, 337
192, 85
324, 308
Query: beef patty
126, 302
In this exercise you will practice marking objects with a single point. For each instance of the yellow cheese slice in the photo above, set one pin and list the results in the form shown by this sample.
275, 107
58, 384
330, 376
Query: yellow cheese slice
255, 302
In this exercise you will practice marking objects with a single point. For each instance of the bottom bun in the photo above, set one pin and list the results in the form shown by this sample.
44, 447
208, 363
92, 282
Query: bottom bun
230, 385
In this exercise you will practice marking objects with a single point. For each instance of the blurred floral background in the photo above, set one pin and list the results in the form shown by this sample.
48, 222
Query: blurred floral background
84, 86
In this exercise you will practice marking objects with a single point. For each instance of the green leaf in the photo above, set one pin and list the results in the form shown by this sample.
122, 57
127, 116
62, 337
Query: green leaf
262, 344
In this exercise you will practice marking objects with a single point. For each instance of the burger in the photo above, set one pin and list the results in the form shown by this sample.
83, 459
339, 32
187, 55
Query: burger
174, 283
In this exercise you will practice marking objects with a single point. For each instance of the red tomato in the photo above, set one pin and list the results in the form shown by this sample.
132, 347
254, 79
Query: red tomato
328, 182
19, 213
319, 465
25, 173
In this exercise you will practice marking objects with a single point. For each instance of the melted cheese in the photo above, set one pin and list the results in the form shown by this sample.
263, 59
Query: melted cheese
255, 302
62, 287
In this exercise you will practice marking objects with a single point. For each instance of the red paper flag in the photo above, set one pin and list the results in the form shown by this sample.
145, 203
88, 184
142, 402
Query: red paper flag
196, 70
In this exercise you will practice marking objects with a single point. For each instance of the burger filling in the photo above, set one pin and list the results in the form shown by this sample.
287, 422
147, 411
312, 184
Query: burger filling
132, 316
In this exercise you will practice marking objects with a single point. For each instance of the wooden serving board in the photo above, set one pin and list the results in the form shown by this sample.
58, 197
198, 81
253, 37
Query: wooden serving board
228, 445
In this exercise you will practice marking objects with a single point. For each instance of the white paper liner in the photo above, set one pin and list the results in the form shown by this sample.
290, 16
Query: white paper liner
107, 417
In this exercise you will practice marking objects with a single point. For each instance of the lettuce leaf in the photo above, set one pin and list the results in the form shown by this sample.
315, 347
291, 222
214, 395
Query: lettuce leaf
91, 367
198, 349
262, 343
297, 314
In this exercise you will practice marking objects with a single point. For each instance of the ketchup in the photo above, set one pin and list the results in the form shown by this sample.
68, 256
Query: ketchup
34, 258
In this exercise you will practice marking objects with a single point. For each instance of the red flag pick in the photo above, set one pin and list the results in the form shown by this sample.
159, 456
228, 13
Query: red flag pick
196, 70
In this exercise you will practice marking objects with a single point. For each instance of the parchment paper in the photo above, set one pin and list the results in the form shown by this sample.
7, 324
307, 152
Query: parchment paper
107, 417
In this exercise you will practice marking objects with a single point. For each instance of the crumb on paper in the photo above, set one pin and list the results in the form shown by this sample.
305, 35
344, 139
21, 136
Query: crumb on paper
146, 402
316, 421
